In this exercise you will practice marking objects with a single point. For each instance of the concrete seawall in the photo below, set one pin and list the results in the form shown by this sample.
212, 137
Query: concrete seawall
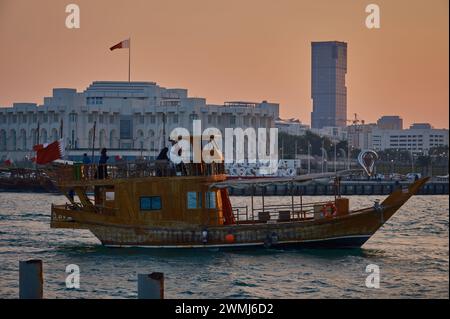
347, 188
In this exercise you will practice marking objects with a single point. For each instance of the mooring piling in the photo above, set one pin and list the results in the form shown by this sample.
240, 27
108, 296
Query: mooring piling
31, 281
151, 286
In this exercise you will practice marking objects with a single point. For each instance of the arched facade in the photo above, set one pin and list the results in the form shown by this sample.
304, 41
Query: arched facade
102, 139
12, 140
151, 139
55, 135
44, 136
23, 140
3, 140
140, 140
113, 139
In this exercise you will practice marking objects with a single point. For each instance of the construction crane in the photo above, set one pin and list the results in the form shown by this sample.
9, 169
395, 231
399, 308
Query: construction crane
353, 138
356, 120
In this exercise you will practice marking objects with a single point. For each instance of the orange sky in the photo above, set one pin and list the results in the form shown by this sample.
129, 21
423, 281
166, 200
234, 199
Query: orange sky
234, 50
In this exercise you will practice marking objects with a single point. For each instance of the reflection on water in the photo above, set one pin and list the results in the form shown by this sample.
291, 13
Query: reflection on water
411, 251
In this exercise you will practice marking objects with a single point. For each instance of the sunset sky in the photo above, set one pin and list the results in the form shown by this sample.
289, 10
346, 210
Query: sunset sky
223, 50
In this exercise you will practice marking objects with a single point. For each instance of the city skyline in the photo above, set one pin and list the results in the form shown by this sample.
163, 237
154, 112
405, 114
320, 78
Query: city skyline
400, 69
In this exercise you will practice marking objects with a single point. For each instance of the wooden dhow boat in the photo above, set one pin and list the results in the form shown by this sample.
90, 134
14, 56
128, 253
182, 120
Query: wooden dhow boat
158, 205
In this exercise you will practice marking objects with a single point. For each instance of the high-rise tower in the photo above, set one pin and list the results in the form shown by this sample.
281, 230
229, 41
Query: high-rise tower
328, 90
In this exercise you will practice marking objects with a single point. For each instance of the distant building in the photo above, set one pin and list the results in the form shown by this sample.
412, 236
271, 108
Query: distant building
332, 132
390, 122
291, 126
360, 135
132, 119
417, 139
421, 126
328, 90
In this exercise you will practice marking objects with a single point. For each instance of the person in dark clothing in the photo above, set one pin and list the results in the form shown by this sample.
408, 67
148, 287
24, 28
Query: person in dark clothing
86, 166
163, 154
86, 159
71, 195
102, 165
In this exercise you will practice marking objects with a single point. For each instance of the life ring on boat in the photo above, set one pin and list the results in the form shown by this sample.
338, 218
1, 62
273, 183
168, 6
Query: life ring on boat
229, 238
329, 209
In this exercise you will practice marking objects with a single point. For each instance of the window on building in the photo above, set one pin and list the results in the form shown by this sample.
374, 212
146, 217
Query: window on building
152, 119
73, 117
90, 118
111, 119
94, 100
175, 118
194, 200
232, 120
126, 127
150, 203
141, 119
100, 118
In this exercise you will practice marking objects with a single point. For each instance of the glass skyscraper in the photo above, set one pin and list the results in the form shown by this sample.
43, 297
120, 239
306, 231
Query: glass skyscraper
328, 90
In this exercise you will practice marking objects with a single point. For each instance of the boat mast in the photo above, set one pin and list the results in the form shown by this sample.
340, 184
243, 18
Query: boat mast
93, 142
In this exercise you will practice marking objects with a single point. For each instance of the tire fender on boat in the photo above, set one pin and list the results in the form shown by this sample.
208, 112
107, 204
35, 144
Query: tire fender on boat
204, 236
271, 239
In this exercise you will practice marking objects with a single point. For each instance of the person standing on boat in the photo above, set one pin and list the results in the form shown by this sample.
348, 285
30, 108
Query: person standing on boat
86, 159
102, 171
86, 162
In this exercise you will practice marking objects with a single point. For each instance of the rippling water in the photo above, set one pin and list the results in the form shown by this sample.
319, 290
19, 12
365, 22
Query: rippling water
412, 251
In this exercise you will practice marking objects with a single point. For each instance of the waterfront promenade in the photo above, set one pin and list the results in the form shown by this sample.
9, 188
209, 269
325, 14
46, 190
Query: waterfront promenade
347, 188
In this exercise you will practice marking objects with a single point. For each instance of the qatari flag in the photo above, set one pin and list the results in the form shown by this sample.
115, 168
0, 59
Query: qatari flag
49, 152
121, 45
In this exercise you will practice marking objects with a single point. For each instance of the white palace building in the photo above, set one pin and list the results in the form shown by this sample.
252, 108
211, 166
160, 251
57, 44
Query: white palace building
132, 119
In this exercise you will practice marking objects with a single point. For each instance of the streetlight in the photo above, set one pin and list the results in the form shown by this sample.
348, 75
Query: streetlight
335, 168
323, 154
348, 153
309, 158
392, 167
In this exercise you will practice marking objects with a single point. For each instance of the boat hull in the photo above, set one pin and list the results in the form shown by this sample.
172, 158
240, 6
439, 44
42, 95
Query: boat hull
351, 230
349, 242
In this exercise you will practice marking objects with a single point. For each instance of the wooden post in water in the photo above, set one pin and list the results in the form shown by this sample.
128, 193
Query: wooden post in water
31, 279
151, 286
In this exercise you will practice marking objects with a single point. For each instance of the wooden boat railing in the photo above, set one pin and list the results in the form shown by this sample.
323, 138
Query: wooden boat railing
89, 172
287, 212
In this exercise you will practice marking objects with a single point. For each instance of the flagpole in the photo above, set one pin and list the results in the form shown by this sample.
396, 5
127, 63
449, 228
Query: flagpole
38, 133
129, 59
